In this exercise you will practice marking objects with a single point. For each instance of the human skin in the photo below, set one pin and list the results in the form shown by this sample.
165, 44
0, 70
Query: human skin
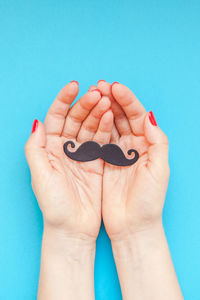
68, 192
133, 199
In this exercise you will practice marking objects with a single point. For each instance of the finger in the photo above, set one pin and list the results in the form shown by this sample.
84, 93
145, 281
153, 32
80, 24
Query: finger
120, 119
114, 135
104, 130
36, 154
78, 113
158, 149
92, 87
91, 123
106, 91
55, 118
132, 107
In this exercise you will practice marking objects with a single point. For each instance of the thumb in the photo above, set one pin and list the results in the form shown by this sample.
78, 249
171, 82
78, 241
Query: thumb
158, 148
35, 151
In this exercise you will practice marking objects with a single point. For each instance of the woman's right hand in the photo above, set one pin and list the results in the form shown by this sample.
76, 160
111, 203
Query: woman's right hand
69, 192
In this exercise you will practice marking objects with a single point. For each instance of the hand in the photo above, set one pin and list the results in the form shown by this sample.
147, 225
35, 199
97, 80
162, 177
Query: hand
133, 199
69, 192
133, 196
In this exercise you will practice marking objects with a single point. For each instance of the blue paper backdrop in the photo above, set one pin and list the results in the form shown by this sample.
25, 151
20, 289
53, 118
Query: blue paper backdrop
151, 46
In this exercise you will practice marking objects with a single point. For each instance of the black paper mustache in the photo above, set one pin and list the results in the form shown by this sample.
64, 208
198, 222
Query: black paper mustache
110, 153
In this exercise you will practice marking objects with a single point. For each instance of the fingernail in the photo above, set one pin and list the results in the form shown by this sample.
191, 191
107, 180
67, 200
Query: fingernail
35, 125
114, 83
152, 118
75, 82
101, 80
97, 90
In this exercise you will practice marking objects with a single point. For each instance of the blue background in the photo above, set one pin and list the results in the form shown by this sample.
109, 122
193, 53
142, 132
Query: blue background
151, 46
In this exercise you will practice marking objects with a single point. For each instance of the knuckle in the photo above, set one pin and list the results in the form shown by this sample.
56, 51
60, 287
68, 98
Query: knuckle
167, 169
165, 139
27, 147
90, 127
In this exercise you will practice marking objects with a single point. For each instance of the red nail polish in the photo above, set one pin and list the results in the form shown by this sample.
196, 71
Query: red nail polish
101, 80
97, 91
152, 118
114, 83
75, 82
35, 125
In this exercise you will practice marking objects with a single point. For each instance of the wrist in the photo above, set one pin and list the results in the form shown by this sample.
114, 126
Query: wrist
77, 247
67, 266
138, 243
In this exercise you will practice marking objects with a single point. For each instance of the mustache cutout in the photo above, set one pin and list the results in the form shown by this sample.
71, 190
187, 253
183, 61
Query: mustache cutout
110, 153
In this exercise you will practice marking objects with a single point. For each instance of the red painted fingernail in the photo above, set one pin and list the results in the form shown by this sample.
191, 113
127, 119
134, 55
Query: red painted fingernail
75, 81
152, 118
114, 83
35, 125
101, 80
97, 91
